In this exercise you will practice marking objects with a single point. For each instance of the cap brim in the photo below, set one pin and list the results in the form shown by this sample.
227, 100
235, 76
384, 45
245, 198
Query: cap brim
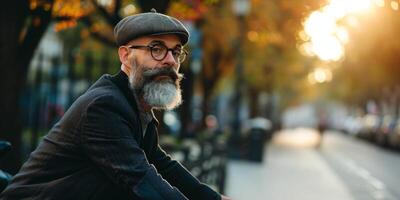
182, 36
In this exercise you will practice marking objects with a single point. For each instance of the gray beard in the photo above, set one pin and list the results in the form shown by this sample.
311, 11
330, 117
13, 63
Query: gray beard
161, 95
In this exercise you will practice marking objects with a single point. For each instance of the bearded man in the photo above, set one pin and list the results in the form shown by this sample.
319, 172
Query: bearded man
106, 144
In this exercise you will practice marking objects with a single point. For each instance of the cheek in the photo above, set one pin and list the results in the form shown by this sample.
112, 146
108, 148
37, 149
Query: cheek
150, 63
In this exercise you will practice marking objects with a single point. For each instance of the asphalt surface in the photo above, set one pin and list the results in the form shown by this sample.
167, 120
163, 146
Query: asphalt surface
342, 168
368, 171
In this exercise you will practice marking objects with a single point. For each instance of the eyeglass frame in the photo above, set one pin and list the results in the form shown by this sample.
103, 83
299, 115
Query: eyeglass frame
150, 47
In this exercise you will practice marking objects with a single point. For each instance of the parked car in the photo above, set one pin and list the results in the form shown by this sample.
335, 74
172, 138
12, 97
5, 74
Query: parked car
352, 125
394, 136
370, 124
381, 136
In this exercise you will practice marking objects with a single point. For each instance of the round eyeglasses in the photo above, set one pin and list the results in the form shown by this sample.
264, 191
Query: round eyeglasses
160, 51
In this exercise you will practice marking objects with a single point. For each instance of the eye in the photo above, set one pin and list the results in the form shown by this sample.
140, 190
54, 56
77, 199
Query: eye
176, 52
157, 49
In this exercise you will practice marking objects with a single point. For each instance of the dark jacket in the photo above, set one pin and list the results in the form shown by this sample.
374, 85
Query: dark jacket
97, 151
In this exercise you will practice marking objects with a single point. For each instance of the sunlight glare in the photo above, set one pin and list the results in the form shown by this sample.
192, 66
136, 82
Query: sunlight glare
339, 8
342, 35
319, 24
336, 9
355, 6
328, 48
380, 3
326, 35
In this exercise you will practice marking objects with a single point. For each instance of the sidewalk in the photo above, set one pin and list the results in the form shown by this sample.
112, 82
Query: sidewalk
288, 172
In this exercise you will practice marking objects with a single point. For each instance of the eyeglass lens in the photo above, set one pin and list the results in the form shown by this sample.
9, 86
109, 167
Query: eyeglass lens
160, 51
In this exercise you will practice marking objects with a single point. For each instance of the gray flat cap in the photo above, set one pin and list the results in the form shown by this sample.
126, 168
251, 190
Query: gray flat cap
150, 23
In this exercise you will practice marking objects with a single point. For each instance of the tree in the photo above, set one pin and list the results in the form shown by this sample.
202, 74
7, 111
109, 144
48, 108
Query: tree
23, 24
219, 28
371, 61
273, 63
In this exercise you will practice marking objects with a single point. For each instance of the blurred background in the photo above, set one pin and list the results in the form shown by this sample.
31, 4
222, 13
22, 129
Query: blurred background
283, 99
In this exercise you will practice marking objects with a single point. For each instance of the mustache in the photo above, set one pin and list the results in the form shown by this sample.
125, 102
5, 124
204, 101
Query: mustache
150, 74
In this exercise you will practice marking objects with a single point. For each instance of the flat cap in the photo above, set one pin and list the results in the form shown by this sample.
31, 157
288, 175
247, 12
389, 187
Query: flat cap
150, 23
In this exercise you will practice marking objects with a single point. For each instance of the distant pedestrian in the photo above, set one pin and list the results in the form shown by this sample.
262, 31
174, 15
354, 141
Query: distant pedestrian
322, 126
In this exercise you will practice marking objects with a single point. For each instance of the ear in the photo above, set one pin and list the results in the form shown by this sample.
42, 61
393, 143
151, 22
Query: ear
123, 54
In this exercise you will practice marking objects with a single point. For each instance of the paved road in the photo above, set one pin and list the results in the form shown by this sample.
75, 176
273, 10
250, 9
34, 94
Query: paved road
369, 171
344, 168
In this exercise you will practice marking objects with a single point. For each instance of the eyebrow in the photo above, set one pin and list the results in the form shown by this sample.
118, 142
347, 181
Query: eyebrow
162, 42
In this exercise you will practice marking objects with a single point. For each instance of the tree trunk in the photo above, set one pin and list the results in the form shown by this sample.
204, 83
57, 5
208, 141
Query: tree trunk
15, 55
254, 106
209, 81
11, 20
185, 108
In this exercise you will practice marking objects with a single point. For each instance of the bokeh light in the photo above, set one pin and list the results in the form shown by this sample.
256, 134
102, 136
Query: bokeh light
394, 5
129, 9
320, 75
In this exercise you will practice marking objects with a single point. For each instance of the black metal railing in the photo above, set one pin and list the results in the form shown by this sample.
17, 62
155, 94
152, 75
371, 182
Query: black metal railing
206, 159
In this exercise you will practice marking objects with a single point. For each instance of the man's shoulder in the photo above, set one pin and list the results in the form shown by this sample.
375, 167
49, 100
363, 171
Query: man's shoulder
103, 92
103, 86
106, 96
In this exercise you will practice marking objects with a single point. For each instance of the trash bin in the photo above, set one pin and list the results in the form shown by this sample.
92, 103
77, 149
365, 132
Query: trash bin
260, 131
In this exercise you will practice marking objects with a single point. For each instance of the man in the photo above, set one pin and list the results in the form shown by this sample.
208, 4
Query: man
106, 144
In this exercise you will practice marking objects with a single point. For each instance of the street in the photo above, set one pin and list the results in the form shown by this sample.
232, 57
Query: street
344, 168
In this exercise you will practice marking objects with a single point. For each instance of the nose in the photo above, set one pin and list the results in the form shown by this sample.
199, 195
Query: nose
169, 59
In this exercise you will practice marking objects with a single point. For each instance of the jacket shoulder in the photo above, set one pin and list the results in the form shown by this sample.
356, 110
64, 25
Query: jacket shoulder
103, 93
106, 93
